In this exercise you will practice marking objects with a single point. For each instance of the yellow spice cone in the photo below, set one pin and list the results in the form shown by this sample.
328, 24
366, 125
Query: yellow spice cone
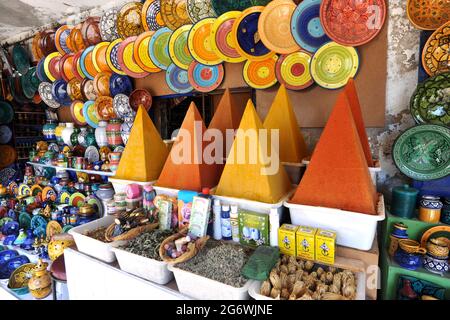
145, 153
281, 116
242, 179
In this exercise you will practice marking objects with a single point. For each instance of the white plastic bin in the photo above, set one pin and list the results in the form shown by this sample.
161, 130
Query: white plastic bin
354, 230
95, 248
119, 185
202, 288
148, 269
166, 191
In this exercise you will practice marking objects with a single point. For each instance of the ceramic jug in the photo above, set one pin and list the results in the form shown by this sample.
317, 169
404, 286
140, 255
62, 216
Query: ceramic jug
100, 134
58, 133
113, 132
67, 133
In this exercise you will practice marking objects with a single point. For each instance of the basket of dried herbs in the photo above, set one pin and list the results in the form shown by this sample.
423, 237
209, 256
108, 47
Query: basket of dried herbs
129, 225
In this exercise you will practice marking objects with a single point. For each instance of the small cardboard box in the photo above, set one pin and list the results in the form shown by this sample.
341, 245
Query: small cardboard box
253, 228
286, 239
325, 246
306, 242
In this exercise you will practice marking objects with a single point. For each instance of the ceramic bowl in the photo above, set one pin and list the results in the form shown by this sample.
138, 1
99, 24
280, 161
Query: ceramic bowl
8, 267
120, 84
141, 97
7, 255
435, 265
59, 93
438, 248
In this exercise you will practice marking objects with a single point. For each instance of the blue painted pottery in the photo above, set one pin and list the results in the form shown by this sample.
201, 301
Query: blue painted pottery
7, 254
11, 228
246, 32
435, 265
28, 243
410, 261
59, 93
400, 231
9, 240
8, 267
119, 84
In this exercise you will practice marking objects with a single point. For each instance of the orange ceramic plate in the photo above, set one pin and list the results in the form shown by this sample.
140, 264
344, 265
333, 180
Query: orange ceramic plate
129, 21
104, 108
75, 40
99, 57
151, 15
76, 110
428, 14
126, 60
141, 53
221, 40
74, 89
76, 69
261, 74
435, 54
101, 83
66, 63
199, 43
61, 36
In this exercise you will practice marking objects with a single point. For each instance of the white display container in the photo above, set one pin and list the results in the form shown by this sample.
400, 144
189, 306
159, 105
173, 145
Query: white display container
95, 248
166, 191
355, 230
148, 269
119, 185
202, 288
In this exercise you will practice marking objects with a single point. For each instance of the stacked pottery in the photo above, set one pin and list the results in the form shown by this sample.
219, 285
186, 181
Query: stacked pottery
114, 160
58, 133
49, 130
67, 133
100, 134
113, 132
126, 129
105, 193
120, 202
409, 255
399, 232
436, 260
134, 197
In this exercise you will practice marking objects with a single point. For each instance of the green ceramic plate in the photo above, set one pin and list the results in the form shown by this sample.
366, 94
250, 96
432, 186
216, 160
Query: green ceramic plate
20, 59
430, 102
6, 112
25, 220
423, 152
222, 6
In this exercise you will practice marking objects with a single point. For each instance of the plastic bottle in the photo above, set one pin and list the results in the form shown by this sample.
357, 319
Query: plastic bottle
206, 193
234, 223
217, 212
274, 221
226, 223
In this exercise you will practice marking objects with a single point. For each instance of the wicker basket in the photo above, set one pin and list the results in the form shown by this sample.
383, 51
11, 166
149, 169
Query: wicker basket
133, 233
192, 250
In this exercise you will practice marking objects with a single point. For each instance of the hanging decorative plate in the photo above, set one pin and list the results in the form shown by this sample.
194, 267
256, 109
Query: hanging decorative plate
53, 228
67, 227
177, 79
428, 14
121, 105
429, 103
423, 152
61, 36
200, 9
24, 190
76, 69
174, 13
306, 26
48, 194
159, 48
126, 60
178, 47
120, 84
111, 56
92, 155
25, 221
104, 108
88, 90
435, 54
47, 42
141, 97
90, 114
29, 83
35, 49
99, 57
75, 42
108, 25
97, 205
20, 59
222, 43
5, 134
87, 67
65, 197
38, 224
205, 78
199, 43
352, 23
76, 110
65, 65
261, 74
246, 36
59, 93
333, 65
48, 59
151, 15
90, 30
129, 21
6, 112
223, 6
141, 52
45, 91
293, 70
41, 71
54, 67
274, 27
101, 83
74, 89
36, 190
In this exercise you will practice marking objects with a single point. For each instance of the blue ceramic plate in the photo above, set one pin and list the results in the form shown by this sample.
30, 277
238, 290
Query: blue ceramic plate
38, 223
7, 255
205, 78
247, 33
177, 79
306, 26
41, 72
59, 93
20, 59
82, 62
8, 267
6, 112
5, 134
120, 84
11, 228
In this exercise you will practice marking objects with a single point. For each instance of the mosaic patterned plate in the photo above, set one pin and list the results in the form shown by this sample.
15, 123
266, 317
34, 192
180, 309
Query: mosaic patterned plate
174, 13
177, 79
108, 25
430, 103
423, 152
151, 15
121, 105
428, 14
435, 54
178, 47
159, 48
261, 74
45, 91
88, 90
61, 36
21, 276
222, 42
74, 89
111, 56
200, 9
199, 43
129, 21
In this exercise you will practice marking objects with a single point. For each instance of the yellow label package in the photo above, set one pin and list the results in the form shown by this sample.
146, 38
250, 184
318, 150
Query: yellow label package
325, 246
306, 237
286, 239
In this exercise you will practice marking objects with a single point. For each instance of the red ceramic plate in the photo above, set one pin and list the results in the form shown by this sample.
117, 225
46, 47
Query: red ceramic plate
90, 30
88, 90
54, 67
75, 41
141, 97
76, 70
65, 65
125, 57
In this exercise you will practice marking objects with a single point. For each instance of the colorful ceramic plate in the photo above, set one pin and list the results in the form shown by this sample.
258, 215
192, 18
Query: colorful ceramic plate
88, 90
104, 108
435, 55
24, 190
129, 21
48, 194
35, 49
76, 68
66, 228
246, 36
352, 23
174, 13
111, 57
53, 228
423, 152
108, 25
90, 30
428, 14
140, 97
151, 15
120, 84
90, 114
429, 103
199, 43
45, 91
13, 187
86, 63
6, 112
141, 53
261, 74
36, 189
178, 47
97, 205
223, 6
222, 43
5, 134
76, 110
274, 27
293, 70
92, 155
61, 36
306, 26
205, 78
20, 59
59, 93
75, 42
41, 72
99, 57
159, 48
66, 66
21, 276
74, 89
77, 199
55, 56
333, 65
101, 83
30, 83
126, 59
121, 104
64, 198
177, 79
200, 9
24, 221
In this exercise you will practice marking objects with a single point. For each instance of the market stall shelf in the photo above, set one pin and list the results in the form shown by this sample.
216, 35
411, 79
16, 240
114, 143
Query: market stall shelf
100, 173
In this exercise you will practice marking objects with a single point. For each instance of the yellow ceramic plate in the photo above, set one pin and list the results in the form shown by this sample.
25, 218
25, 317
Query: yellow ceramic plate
46, 65
222, 42
199, 43
111, 57
126, 59
261, 74
178, 47
141, 53
53, 227
435, 54
20, 277
36, 189
99, 57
